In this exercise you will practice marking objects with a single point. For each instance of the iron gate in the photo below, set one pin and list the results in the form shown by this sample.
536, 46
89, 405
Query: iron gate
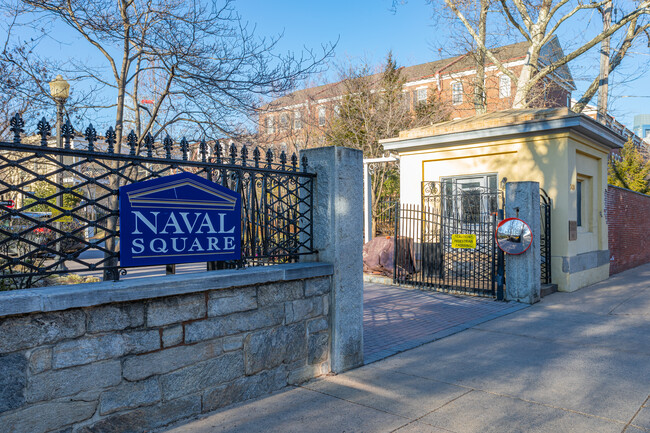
427, 252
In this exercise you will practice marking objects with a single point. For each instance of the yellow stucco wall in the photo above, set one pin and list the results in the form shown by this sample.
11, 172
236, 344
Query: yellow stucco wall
556, 161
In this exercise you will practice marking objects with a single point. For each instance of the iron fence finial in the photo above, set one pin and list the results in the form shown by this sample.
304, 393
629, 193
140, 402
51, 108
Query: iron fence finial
167, 144
217, 151
17, 123
233, 153
269, 158
184, 147
244, 155
91, 136
203, 149
148, 142
294, 161
110, 139
44, 129
132, 140
67, 131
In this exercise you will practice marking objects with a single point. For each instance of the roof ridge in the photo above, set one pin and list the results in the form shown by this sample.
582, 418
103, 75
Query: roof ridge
311, 92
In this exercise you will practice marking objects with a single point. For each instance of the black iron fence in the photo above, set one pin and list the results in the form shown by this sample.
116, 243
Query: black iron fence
383, 219
59, 206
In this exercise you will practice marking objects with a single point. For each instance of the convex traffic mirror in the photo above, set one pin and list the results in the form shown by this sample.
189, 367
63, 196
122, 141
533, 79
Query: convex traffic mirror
514, 236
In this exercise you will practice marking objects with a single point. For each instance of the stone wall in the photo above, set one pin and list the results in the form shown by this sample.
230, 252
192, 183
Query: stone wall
628, 219
137, 355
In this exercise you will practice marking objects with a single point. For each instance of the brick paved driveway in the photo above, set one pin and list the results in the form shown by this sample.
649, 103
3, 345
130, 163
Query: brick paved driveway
397, 319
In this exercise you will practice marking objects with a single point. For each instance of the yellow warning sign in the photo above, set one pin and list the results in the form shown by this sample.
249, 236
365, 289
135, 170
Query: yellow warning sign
463, 241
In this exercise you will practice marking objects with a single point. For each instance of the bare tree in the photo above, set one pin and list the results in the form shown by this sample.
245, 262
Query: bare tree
634, 31
374, 107
210, 68
538, 22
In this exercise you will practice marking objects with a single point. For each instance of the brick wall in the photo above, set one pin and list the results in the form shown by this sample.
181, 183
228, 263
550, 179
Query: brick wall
185, 348
628, 219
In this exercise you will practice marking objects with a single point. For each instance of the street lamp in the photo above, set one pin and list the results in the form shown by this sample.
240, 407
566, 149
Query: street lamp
60, 90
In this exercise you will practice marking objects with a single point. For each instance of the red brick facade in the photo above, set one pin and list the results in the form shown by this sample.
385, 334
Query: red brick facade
628, 219
298, 120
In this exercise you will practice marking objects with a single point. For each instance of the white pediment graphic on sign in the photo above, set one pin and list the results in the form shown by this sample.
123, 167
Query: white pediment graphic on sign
183, 193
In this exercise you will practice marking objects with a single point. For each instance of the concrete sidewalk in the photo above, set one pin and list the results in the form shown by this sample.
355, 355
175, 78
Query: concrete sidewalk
575, 362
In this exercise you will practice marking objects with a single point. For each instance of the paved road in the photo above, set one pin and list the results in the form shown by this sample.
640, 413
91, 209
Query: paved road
575, 362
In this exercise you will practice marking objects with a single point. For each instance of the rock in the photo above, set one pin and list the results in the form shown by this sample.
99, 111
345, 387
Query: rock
147, 418
86, 350
271, 347
175, 309
275, 293
197, 377
302, 309
244, 388
24, 332
223, 302
109, 346
13, 370
317, 324
40, 360
115, 317
45, 417
233, 343
317, 286
143, 366
59, 383
129, 395
234, 324
172, 336
318, 347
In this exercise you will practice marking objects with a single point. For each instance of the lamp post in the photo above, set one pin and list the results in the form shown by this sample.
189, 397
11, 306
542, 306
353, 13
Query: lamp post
60, 90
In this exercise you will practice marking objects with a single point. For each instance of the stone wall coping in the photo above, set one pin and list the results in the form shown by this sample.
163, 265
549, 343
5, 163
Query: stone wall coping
59, 298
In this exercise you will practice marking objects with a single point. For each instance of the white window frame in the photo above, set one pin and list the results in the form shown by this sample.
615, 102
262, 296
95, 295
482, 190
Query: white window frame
505, 90
421, 95
322, 113
270, 127
284, 121
297, 120
457, 92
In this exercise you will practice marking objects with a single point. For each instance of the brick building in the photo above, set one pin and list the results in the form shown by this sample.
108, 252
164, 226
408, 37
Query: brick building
297, 120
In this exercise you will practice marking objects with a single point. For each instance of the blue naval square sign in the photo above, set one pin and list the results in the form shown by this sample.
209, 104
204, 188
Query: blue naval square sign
180, 218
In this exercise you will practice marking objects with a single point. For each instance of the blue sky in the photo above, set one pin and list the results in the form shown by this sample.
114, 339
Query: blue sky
367, 29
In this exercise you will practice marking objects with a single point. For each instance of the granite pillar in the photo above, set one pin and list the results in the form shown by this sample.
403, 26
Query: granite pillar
523, 271
338, 237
